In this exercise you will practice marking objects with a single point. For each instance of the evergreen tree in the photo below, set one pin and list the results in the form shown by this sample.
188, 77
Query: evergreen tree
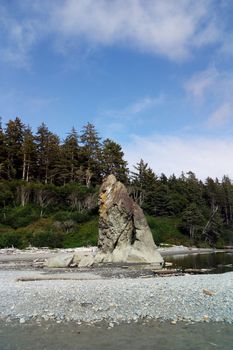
227, 200
192, 220
144, 185
70, 157
194, 188
14, 140
29, 155
112, 160
42, 139
91, 155
48, 154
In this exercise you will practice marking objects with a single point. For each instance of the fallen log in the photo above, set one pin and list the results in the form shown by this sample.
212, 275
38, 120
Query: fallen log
197, 271
167, 271
52, 278
180, 271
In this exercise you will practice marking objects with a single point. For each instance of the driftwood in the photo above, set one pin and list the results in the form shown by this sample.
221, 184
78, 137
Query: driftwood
167, 272
171, 272
52, 278
197, 271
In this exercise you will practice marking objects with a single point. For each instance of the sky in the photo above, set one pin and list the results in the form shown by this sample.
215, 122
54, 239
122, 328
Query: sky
155, 76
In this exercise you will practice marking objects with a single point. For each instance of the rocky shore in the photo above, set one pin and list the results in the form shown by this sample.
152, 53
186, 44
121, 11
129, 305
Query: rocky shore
90, 297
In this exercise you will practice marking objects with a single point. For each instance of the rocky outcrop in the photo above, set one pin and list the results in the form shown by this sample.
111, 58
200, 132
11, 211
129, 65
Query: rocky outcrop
124, 235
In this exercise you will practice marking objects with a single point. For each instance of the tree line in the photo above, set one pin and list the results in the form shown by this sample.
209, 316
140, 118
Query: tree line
41, 170
205, 208
42, 157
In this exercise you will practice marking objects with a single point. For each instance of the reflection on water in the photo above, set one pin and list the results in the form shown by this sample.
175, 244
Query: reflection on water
221, 262
153, 335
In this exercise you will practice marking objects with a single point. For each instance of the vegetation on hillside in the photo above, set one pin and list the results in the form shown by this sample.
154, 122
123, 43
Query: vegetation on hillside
49, 191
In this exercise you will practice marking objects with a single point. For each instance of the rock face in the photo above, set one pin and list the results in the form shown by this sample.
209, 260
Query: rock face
124, 235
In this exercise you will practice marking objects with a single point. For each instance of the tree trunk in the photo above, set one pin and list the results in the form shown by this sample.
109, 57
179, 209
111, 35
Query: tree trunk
24, 167
214, 211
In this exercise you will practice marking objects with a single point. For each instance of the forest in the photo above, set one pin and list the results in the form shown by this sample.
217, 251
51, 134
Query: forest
49, 192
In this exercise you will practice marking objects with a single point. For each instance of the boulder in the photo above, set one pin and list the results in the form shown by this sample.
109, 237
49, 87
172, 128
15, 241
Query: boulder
83, 259
124, 235
87, 261
59, 260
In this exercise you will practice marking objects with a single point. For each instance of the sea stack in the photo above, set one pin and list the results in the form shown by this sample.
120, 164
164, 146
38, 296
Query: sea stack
124, 235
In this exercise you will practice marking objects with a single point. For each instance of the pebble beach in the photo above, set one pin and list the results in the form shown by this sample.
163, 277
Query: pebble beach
88, 297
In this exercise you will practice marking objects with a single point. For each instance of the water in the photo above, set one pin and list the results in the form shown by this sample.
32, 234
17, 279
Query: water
153, 335
220, 262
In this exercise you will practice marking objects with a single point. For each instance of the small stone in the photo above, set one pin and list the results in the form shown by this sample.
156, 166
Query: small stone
22, 320
206, 318
173, 322
208, 292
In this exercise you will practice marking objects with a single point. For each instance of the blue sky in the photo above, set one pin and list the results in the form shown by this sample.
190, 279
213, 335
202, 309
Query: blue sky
154, 75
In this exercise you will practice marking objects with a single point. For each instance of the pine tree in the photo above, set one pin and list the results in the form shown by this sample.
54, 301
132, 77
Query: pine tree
14, 140
91, 154
143, 185
29, 155
112, 160
48, 154
70, 157
227, 199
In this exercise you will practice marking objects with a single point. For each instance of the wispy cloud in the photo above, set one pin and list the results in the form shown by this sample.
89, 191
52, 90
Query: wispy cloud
173, 29
221, 116
168, 28
211, 89
136, 107
201, 82
166, 154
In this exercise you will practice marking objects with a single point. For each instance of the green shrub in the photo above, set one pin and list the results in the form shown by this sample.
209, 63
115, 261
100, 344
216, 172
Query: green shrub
86, 235
78, 217
21, 216
47, 239
11, 239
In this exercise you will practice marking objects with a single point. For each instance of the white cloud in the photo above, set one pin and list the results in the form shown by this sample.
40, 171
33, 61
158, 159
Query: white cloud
137, 107
169, 28
18, 35
167, 154
212, 89
221, 116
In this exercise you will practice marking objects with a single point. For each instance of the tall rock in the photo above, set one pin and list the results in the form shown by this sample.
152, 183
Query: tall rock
124, 235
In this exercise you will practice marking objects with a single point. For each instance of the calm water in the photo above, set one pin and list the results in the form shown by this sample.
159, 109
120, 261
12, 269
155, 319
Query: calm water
221, 262
153, 335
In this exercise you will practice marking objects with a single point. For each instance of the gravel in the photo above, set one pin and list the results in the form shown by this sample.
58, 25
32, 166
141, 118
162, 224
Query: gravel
115, 300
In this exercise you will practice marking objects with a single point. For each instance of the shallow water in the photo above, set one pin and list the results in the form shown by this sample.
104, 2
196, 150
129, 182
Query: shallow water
220, 262
153, 335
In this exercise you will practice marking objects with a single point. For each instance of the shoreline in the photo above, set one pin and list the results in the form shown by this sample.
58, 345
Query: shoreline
30, 254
